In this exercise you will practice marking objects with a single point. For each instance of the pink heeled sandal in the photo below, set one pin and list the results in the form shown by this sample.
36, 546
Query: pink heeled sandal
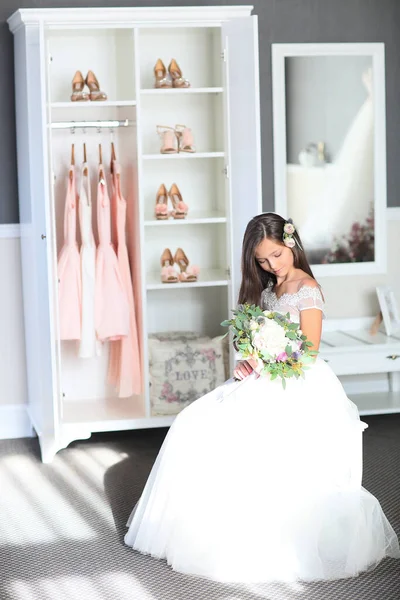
185, 138
162, 79
161, 207
178, 81
78, 83
96, 94
168, 273
169, 139
189, 273
180, 209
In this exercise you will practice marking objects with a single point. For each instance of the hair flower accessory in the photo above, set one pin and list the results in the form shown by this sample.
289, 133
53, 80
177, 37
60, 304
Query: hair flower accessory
289, 228
288, 231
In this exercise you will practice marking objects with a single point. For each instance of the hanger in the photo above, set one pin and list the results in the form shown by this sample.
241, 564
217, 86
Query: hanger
101, 174
85, 170
72, 161
113, 157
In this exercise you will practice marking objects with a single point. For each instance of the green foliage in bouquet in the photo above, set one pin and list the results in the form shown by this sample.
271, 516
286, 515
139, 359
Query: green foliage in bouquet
272, 340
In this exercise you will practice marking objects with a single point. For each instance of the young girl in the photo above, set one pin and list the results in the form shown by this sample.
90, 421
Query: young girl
255, 483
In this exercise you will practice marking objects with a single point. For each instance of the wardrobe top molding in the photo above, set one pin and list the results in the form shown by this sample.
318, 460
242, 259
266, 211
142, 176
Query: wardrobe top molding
124, 17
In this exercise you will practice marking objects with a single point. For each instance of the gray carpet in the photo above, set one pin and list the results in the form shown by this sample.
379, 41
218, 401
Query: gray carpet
62, 525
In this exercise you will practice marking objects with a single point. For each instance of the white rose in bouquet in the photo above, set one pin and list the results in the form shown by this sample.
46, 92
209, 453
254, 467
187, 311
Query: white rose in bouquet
270, 337
253, 325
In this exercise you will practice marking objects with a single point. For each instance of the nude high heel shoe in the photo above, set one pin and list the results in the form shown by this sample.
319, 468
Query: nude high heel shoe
180, 209
189, 273
185, 138
168, 273
78, 83
178, 81
162, 79
96, 94
161, 208
169, 139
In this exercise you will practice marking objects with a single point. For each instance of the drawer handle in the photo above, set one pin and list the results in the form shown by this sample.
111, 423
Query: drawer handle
393, 356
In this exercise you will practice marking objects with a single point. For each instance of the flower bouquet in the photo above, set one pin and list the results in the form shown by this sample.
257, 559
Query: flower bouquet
272, 340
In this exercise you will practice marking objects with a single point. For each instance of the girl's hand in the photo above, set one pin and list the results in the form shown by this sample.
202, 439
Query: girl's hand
244, 368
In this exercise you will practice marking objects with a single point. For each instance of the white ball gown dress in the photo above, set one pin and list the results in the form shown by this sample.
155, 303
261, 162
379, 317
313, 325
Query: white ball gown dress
255, 483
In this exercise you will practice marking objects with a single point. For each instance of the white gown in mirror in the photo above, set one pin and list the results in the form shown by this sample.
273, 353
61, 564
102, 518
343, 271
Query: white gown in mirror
349, 190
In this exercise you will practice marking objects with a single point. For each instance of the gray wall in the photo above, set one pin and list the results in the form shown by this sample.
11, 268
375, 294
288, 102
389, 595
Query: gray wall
323, 97
284, 21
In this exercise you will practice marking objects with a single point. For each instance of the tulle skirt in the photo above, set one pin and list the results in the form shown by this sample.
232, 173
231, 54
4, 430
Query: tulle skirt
255, 483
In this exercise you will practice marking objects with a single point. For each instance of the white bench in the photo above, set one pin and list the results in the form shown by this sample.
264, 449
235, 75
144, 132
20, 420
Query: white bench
349, 349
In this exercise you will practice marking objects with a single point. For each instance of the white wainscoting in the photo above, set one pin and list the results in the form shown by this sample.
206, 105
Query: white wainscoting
14, 422
346, 297
9, 231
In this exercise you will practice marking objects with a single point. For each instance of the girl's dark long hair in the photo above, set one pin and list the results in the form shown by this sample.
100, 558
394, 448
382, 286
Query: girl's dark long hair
254, 278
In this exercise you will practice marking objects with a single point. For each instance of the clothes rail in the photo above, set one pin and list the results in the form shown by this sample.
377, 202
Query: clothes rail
91, 124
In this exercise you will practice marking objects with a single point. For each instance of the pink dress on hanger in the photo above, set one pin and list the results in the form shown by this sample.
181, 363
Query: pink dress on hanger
69, 269
111, 303
125, 366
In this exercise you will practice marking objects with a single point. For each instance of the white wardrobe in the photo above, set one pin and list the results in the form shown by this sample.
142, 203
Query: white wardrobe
217, 49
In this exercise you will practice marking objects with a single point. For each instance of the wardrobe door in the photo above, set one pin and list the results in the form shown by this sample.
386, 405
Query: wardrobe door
242, 104
38, 271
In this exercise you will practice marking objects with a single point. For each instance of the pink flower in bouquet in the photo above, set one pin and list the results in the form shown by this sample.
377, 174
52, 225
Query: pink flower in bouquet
282, 357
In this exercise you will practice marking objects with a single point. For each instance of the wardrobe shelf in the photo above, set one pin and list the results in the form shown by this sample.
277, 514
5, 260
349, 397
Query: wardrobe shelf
183, 91
89, 104
124, 423
110, 415
183, 155
92, 411
207, 278
195, 219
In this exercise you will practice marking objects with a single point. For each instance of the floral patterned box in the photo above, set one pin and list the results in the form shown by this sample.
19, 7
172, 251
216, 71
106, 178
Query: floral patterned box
183, 370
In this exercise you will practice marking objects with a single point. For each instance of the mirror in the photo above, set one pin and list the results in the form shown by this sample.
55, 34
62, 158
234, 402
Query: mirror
330, 152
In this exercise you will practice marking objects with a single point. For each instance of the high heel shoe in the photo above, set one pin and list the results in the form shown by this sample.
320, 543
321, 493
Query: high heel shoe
78, 83
185, 138
169, 139
189, 273
176, 75
162, 79
161, 208
96, 94
168, 273
180, 209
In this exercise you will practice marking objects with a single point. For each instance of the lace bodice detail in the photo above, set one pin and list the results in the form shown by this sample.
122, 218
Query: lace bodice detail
305, 298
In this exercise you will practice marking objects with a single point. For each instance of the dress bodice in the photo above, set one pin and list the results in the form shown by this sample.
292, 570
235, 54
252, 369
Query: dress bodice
305, 298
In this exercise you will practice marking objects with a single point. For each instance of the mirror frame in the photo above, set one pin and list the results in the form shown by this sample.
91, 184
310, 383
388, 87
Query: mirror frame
377, 52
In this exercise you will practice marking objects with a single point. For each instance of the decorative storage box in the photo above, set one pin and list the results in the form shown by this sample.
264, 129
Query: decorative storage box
182, 370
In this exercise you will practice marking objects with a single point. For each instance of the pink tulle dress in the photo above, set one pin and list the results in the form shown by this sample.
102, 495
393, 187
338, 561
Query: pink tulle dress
69, 269
125, 366
111, 303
